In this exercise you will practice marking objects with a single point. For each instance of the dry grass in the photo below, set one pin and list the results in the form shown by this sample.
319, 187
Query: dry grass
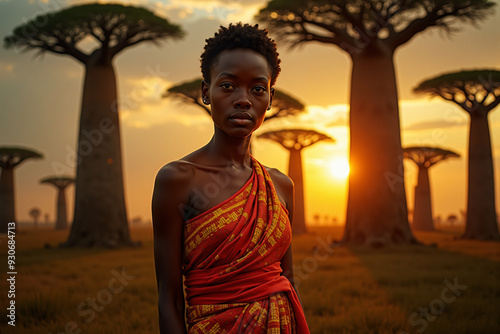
344, 290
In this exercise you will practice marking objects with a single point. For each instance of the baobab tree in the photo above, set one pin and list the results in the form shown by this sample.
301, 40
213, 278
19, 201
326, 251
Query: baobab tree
452, 219
189, 92
477, 93
370, 32
100, 216
10, 158
295, 140
425, 157
35, 214
61, 183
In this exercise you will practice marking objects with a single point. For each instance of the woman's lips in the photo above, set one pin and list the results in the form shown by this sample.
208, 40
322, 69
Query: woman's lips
240, 121
241, 118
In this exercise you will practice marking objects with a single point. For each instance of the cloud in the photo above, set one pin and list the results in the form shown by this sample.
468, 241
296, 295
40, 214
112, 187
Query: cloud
53, 5
328, 116
142, 104
148, 89
315, 117
178, 11
151, 113
436, 124
187, 11
341, 121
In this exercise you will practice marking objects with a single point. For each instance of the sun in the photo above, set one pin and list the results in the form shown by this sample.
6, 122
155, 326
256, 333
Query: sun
339, 168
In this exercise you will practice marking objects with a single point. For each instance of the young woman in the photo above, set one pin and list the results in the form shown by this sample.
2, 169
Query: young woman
221, 219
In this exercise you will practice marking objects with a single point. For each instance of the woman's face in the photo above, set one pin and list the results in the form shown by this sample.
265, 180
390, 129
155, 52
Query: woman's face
239, 91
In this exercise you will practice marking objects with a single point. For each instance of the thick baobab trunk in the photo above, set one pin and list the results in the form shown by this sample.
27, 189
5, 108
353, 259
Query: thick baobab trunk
295, 173
481, 214
7, 206
62, 214
422, 209
100, 217
376, 208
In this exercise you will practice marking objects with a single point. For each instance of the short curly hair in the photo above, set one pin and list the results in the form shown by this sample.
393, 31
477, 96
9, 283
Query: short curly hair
240, 36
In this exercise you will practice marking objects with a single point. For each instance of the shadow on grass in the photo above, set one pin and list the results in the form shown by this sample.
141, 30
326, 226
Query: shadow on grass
442, 291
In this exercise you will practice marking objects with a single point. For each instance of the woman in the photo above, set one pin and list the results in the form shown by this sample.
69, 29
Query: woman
220, 218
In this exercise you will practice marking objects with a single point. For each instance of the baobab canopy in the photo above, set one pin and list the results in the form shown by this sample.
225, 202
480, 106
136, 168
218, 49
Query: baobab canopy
56, 180
113, 25
427, 156
466, 88
296, 138
13, 156
354, 24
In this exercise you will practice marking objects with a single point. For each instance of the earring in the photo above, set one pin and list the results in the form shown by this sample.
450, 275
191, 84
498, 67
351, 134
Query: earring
205, 100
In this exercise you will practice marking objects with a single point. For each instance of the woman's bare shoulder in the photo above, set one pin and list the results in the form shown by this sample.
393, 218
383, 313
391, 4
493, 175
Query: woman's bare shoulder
279, 178
283, 185
175, 173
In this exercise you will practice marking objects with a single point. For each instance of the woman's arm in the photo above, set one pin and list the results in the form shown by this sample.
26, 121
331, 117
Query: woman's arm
287, 260
285, 188
168, 196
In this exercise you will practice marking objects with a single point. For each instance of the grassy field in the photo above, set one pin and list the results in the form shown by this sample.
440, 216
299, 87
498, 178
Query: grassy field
451, 288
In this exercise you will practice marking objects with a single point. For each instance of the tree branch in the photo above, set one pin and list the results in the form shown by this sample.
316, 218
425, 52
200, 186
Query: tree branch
493, 104
339, 38
72, 50
488, 92
416, 26
355, 21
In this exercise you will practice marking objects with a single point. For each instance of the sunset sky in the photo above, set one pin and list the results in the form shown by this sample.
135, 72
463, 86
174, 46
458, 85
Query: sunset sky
40, 105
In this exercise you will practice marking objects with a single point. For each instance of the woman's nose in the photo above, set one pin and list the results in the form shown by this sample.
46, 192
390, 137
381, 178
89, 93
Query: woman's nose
242, 101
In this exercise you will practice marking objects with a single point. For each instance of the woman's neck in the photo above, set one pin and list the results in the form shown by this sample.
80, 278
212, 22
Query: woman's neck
232, 150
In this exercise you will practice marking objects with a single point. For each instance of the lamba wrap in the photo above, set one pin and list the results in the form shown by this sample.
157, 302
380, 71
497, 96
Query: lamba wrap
232, 271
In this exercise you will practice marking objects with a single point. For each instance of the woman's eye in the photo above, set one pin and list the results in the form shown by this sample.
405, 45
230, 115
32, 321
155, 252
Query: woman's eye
259, 89
226, 85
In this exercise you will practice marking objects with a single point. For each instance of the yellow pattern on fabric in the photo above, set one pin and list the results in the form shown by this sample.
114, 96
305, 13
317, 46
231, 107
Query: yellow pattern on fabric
216, 215
271, 241
223, 216
271, 316
262, 250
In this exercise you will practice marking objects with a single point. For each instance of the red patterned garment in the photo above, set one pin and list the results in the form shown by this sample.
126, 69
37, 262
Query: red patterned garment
232, 269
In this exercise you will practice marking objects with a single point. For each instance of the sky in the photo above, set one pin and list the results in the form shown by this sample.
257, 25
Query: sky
40, 98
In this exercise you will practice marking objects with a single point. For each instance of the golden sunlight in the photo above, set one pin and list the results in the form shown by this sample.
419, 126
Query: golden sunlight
339, 168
